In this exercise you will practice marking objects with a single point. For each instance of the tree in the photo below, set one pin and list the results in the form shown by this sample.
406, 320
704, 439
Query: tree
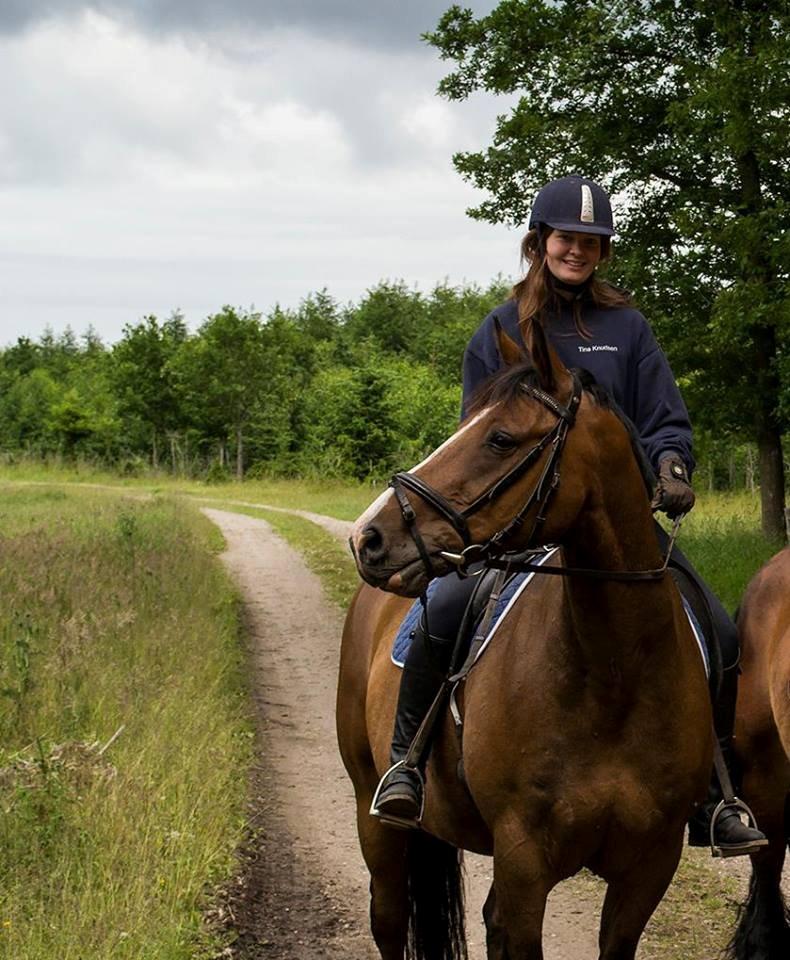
351, 416
83, 420
318, 316
143, 382
25, 412
680, 109
220, 375
452, 316
390, 314
21, 358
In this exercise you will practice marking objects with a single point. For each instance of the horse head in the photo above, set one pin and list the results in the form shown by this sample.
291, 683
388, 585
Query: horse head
496, 479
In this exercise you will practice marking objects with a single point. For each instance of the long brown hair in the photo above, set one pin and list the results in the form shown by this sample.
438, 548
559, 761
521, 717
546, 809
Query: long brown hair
536, 294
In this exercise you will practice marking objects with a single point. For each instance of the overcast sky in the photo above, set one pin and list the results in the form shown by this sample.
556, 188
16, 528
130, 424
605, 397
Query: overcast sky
183, 154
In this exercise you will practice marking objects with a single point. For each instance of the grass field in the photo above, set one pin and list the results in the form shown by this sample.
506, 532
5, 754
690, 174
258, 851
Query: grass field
336, 498
116, 621
721, 536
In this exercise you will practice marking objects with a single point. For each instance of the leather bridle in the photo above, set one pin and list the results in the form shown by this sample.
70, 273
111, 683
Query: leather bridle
493, 552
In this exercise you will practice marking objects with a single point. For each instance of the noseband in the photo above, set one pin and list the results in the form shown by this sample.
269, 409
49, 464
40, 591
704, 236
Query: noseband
540, 495
493, 551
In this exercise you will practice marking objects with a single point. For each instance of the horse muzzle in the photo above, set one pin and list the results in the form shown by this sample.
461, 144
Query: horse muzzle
397, 569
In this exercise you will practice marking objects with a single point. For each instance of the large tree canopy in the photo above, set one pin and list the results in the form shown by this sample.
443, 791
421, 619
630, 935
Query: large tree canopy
680, 108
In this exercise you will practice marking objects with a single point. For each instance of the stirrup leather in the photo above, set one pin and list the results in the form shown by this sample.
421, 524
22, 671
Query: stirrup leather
405, 823
742, 849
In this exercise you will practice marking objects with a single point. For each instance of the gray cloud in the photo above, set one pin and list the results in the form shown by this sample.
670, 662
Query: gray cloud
382, 24
156, 155
16, 14
96, 99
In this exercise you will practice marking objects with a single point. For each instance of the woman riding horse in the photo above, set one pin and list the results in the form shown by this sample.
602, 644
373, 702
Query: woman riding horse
592, 325
586, 726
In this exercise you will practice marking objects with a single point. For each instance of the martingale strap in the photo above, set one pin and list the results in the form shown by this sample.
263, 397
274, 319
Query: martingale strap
520, 563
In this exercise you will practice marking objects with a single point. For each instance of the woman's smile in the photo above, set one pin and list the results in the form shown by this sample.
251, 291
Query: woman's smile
572, 257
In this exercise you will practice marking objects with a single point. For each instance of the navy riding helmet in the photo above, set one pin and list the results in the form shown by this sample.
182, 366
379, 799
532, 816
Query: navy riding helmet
573, 203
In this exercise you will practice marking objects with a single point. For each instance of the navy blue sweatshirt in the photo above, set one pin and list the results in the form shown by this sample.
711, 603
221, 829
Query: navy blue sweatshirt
623, 356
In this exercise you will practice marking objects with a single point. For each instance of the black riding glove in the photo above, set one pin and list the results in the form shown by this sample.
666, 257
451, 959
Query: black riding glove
673, 491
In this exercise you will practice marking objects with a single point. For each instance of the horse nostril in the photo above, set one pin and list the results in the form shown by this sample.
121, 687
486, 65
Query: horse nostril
371, 544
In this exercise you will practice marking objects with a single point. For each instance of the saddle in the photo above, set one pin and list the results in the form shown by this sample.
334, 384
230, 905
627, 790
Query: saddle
702, 623
694, 602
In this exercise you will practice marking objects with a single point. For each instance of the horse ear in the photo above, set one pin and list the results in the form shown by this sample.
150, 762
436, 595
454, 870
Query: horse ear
552, 373
509, 350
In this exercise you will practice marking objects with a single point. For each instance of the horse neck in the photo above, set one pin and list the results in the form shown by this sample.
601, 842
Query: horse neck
618, 625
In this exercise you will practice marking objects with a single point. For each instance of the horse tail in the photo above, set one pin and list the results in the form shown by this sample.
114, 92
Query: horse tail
763, 931
436, 899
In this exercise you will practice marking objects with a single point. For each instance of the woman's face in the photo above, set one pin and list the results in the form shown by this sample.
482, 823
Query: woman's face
572, 257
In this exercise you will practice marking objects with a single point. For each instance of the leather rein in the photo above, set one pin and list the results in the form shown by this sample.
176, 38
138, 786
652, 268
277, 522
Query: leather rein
492, 553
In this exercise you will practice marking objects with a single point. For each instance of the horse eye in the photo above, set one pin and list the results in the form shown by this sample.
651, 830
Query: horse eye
501, 441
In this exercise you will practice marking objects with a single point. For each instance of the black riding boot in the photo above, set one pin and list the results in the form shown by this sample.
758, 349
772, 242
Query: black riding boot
399, 797
731, 836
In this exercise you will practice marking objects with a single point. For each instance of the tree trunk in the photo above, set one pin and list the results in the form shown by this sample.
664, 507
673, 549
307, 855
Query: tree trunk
239, 454
769, 435
765, 376
154, 453
772, 485
749, 468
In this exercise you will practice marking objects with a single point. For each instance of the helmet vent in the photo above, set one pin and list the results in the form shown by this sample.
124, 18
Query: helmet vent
588, 211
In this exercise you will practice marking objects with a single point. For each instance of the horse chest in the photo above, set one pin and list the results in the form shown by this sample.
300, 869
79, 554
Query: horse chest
574, 770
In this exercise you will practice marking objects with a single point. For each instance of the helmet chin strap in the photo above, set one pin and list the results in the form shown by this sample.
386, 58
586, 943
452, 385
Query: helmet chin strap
563, 290
574, 289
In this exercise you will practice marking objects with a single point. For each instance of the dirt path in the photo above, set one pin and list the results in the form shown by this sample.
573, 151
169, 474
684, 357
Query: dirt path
305, 896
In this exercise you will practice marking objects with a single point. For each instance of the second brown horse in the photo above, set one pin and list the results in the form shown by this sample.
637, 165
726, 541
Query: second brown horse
762, 740
587, 728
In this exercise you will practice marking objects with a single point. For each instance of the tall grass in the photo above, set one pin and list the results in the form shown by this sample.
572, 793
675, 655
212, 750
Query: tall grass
721, 536
115, 617
723, 540
340, 498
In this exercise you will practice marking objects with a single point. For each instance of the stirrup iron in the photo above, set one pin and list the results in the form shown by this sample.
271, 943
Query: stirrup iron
404, 823
743, 849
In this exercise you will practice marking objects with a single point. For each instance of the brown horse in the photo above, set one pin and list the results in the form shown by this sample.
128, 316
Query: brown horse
762, 739
587, 727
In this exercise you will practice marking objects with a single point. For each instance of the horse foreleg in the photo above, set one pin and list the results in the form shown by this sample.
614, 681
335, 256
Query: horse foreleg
632, 897
516, 904
385, 853
496, 942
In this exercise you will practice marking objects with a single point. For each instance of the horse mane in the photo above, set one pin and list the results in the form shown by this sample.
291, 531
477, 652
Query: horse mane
504, 387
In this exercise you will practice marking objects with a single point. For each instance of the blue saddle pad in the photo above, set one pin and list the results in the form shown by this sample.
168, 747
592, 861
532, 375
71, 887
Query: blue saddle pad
512, 590
410, 622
